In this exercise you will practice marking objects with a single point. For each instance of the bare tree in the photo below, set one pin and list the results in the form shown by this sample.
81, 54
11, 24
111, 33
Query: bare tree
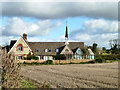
10, 70
114, 44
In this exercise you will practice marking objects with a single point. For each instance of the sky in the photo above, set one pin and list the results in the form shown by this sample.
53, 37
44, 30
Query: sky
87, 21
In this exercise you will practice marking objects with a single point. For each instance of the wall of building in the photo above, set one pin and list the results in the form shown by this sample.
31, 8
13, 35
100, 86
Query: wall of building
24, 51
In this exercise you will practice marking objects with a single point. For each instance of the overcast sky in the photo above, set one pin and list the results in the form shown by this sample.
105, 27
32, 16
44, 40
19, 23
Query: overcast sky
45, 21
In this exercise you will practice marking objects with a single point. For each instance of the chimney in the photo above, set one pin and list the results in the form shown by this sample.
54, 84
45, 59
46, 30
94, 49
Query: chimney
24, 36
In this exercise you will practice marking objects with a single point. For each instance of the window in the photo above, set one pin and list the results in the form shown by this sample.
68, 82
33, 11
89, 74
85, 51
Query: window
46, 50
19, 57
42, 57
19, 48
49, 50
67, 50
37, 50
57, 50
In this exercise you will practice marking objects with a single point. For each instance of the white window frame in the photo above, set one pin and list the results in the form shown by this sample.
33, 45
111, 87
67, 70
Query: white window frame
19, 56
57, 50
46, 50
19, 48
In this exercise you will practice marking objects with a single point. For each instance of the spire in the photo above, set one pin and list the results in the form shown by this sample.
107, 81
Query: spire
66, 33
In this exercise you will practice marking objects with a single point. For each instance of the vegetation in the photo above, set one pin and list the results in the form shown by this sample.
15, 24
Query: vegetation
108, 57
29, 57
10, 70
95, 48
60, 57
26, 84
115, 47
36, 63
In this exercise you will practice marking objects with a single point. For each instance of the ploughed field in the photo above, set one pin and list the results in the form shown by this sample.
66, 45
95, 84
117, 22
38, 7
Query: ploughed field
103, 75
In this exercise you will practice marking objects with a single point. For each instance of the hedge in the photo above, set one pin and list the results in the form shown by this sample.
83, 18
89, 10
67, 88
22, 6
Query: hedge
29, 57
60, 57
108, 57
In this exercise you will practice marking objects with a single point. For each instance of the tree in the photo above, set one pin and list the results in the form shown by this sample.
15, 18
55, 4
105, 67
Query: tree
94, 48
114, 46
103, 48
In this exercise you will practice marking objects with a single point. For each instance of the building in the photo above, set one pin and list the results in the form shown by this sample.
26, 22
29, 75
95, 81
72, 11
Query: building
46, 50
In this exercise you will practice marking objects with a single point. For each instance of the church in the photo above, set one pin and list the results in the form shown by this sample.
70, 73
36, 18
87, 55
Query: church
47, 50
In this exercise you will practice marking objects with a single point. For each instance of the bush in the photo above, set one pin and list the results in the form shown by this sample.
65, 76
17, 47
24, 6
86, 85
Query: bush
108, 57
99, 60
60, 57
10, 70
48, 62
29, 57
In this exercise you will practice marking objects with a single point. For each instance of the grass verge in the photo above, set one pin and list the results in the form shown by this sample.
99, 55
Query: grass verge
28, 83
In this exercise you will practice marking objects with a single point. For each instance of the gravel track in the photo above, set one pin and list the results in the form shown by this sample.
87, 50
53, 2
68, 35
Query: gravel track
103, 75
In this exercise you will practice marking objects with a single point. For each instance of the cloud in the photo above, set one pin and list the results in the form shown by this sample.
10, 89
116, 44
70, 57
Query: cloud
98, 30
56, 10
5, 40
101, 26
16, 26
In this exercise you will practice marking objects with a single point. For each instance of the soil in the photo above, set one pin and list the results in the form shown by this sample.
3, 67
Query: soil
104, 75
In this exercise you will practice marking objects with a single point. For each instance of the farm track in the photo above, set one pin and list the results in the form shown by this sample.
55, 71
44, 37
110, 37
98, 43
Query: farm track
75, 75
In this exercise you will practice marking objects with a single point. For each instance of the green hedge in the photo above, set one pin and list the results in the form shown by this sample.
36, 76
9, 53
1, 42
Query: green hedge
108, 57
36, 63
29, 57
60, 57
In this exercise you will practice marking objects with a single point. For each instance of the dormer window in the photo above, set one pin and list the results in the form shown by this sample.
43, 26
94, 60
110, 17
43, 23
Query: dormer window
49, 50
37, 50
57, 50
46, 50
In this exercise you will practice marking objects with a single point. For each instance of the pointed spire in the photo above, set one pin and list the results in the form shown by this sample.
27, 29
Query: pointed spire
66, 33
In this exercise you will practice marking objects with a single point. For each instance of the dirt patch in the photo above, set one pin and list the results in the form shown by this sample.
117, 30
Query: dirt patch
103, 75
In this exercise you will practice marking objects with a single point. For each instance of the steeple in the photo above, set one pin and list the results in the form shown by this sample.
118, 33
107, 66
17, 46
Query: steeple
66, 35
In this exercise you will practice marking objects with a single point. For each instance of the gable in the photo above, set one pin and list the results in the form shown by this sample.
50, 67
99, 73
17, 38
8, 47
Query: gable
79, 52
90, 52
66, 50
21, 42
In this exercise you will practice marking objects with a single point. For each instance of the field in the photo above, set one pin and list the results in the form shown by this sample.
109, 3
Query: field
103, 75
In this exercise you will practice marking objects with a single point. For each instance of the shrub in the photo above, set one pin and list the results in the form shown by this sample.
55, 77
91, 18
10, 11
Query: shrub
108, 57
48, 62
29, 57
10, 71
60, 57
99, 60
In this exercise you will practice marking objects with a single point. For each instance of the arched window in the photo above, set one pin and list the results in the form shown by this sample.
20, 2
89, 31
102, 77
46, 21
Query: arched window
67, 50
20, 47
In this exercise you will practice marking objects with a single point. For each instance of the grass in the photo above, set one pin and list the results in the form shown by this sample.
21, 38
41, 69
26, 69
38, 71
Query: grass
31, 84
26, 84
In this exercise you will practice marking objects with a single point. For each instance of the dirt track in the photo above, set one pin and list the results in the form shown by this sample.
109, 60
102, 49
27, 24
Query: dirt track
74, 75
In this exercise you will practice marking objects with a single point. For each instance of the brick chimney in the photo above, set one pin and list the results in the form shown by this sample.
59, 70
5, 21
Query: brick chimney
24, 36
